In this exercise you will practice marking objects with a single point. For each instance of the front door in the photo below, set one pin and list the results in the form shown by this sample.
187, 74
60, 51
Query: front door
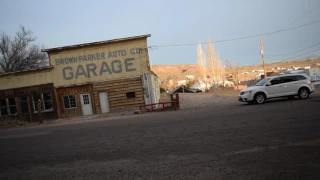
104, 102
275, 89
86, 104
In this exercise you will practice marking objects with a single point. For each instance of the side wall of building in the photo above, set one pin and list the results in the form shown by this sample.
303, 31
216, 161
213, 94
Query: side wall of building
152, 88
121, 94
156, 88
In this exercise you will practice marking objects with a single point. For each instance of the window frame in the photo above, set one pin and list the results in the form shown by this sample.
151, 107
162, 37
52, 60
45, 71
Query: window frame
35, 110
131, 97
8, 107
43, 101
75, 100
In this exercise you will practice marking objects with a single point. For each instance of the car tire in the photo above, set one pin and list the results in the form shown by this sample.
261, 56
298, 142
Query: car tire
303, 93
259, 98
290, 97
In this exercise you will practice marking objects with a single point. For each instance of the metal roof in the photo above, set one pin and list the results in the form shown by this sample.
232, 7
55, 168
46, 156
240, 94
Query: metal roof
96, 43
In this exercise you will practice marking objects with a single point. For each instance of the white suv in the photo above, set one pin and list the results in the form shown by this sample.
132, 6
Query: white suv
288, 85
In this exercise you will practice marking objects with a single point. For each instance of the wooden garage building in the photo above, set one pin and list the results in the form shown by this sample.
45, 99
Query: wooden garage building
84, 79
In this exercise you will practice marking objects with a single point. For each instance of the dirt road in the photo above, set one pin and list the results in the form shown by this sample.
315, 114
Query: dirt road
276, 140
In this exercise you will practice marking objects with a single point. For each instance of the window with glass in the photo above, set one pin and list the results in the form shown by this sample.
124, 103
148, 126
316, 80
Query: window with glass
131, 95
46, 102
8, 106
86, 99
300, 77
69, 102
262, 82
287, 79
276, 81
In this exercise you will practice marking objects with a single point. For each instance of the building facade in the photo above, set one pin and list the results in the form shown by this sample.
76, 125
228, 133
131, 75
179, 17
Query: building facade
84, 79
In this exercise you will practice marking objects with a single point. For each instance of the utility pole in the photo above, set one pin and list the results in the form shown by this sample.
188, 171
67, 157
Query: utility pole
262, 55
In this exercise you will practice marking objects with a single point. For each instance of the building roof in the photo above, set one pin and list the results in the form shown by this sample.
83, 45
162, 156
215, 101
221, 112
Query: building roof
28, 70
152, 72
96, 43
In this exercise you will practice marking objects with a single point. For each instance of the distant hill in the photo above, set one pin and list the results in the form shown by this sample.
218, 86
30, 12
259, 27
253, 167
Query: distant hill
180, 71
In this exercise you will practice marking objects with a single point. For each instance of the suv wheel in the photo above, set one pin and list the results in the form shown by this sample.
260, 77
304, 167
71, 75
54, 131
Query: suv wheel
259, 98
303, 93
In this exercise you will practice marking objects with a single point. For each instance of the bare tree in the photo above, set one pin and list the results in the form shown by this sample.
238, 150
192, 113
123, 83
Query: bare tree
211, 56
17, 54
234, 70
214, 63
218, 68
202, 62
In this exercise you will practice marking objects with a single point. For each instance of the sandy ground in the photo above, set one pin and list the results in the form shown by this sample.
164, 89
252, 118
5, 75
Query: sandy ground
198, 100
275, 140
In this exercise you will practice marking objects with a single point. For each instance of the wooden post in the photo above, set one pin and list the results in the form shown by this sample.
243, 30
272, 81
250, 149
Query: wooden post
29, 108
177, 100
57, 103
262, 55
39, 111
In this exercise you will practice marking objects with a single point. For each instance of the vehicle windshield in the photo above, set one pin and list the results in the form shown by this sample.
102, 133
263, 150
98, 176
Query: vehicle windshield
262, 82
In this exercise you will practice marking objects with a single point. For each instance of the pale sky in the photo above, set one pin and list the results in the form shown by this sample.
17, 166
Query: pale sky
62, 23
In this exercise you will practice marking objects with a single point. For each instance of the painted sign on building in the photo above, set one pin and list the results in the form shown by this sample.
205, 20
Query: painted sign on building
100, 63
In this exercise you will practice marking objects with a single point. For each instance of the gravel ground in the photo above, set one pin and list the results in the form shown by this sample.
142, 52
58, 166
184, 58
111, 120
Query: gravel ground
199, 100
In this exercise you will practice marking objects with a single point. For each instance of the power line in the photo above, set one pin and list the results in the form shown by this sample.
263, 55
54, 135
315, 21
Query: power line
240, 38
308, 12
300, 55
294, 51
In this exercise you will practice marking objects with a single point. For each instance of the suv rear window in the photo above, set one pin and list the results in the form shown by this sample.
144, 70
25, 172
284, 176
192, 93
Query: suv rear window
299, 77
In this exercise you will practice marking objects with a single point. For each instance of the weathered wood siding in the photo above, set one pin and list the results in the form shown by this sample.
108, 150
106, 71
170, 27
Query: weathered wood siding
117, 90
74, 90
28, 92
